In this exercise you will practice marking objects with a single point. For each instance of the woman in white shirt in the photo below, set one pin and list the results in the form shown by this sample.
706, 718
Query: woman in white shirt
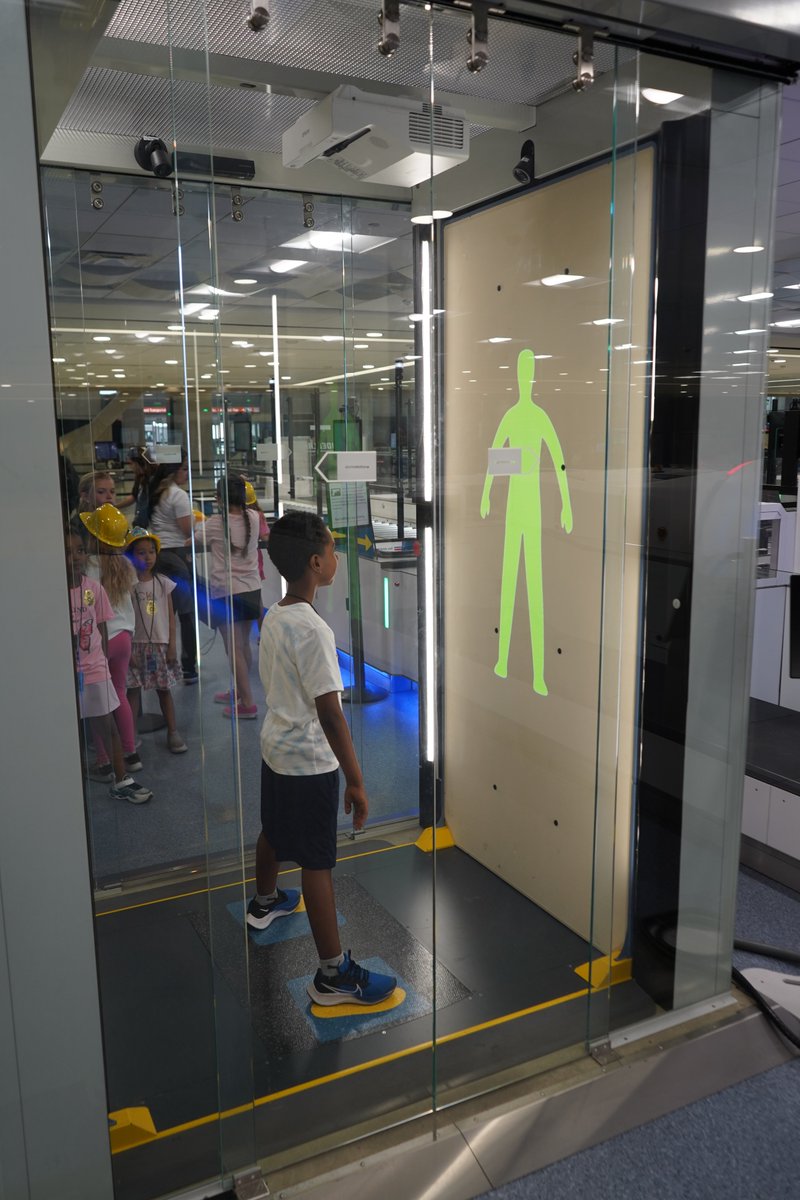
231, 538
171, 518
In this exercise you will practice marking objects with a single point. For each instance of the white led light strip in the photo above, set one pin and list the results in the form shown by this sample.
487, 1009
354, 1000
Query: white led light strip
276, 374
427, 391
430, 635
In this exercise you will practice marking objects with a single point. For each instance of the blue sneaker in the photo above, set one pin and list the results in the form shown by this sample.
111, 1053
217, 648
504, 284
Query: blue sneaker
260, 917
351, 985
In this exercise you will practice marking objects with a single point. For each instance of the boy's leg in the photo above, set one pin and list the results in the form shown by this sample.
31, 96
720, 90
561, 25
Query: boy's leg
321, 909
266, 867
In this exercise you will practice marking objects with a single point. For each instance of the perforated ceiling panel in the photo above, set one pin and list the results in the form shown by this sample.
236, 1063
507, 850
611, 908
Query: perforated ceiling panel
122, 103
341, 36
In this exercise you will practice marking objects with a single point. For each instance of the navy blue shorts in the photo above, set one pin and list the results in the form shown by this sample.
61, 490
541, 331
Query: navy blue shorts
299, 815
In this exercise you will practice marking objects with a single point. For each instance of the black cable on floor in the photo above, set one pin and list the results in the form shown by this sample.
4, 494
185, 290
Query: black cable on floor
789, 956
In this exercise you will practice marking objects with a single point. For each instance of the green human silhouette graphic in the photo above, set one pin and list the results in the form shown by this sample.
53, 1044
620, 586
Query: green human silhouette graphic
526, 427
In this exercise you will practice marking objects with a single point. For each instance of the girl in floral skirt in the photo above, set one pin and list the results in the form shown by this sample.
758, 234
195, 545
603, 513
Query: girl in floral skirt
154, 659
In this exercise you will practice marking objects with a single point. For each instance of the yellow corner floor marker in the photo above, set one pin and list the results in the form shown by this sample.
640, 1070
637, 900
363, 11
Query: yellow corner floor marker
444, 839
600, 972
129, 1127
359, 1010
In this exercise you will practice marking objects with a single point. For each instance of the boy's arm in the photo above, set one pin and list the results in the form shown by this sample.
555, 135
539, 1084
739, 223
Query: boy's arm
336, 730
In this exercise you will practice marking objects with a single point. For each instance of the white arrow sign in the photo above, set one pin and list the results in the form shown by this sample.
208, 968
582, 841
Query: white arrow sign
351, 465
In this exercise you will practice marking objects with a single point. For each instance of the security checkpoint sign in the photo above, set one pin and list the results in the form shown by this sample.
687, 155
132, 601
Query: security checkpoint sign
352, 466
348, 510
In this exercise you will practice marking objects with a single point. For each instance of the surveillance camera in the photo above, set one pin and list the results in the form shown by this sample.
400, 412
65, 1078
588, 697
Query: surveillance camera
259, 17
152, 155
523, 171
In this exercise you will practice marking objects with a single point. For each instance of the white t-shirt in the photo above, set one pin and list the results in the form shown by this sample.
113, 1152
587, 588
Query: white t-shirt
243, 575
151, 605
174, 503
297, 663
123, 619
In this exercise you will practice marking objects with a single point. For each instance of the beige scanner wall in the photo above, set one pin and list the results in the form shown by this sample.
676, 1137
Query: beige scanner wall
530, 781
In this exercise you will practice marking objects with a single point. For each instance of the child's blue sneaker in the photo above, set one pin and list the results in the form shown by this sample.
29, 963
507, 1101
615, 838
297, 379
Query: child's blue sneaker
352, 984
260, 916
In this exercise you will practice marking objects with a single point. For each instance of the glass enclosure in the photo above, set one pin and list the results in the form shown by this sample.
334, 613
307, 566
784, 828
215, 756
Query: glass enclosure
479, 321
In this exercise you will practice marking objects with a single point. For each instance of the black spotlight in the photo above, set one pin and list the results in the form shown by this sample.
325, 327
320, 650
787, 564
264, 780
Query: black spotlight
152, 155
523, 171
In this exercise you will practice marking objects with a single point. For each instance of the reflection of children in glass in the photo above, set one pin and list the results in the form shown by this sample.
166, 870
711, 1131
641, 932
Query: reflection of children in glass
154, 659
304, 740
97, 696
526, 427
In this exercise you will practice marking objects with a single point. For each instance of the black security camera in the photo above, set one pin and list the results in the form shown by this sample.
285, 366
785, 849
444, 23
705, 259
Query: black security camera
258, 18
523, 171
152, 155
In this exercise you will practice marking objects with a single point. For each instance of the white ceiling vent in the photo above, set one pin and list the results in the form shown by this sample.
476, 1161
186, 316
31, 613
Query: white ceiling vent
382, 139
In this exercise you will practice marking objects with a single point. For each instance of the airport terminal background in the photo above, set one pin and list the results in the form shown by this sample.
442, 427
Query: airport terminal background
508, 298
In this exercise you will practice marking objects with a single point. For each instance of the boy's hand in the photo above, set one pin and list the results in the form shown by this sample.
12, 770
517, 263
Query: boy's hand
355, 801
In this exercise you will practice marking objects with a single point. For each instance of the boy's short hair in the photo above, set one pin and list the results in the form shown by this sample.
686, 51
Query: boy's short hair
293, 539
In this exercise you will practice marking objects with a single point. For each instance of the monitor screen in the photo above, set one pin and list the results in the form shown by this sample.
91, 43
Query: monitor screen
106, 452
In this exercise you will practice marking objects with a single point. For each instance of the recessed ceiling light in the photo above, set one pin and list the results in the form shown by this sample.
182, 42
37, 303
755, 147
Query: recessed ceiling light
360, 346
374, 334
110, 350
368, 367
282, 266
608, 321
496, 340
156, 338
190, 310
747, 249
659, 96
251, 365
787, 324
173, 329
265, 353
756, 296
171, 362
779, 360
59, 360
625, 346
745, 332
321, 239
245, 281
503, 368
286, 377
558, 280
438, 214
208, 314
101, 338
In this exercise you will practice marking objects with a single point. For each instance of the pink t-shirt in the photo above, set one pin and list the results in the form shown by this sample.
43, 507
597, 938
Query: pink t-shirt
243, 575
90, 607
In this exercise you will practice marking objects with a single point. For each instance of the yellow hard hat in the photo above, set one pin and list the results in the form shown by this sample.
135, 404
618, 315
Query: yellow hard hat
198, 515
107, 524
250, 496
138, 534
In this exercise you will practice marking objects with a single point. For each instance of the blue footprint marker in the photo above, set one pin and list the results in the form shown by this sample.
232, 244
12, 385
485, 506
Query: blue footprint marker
344, 1029
283, 930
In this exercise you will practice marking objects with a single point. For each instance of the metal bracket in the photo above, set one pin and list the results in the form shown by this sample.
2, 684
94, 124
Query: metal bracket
604, 1054
250, 1185
308, 211
389, 21
584, 59
478, 36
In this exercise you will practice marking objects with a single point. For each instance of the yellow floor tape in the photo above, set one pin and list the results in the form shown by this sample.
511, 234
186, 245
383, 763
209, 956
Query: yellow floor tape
128, 1127
444, 838
601, 972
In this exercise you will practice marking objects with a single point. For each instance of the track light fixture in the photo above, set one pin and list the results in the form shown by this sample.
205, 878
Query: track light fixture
152, 155
523, 171
258, 18
584, 60
389, 21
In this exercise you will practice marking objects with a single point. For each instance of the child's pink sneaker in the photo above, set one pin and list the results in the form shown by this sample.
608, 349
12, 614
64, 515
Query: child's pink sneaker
242, 712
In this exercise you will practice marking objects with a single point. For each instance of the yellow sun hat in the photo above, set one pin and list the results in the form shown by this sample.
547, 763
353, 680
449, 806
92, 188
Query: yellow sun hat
138, 534
250, 496
107, 524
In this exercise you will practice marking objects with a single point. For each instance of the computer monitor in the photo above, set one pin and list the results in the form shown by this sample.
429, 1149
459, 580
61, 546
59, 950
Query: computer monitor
106, 452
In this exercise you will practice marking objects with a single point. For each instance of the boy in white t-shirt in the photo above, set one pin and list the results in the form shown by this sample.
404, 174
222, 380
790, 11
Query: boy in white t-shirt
304, 741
